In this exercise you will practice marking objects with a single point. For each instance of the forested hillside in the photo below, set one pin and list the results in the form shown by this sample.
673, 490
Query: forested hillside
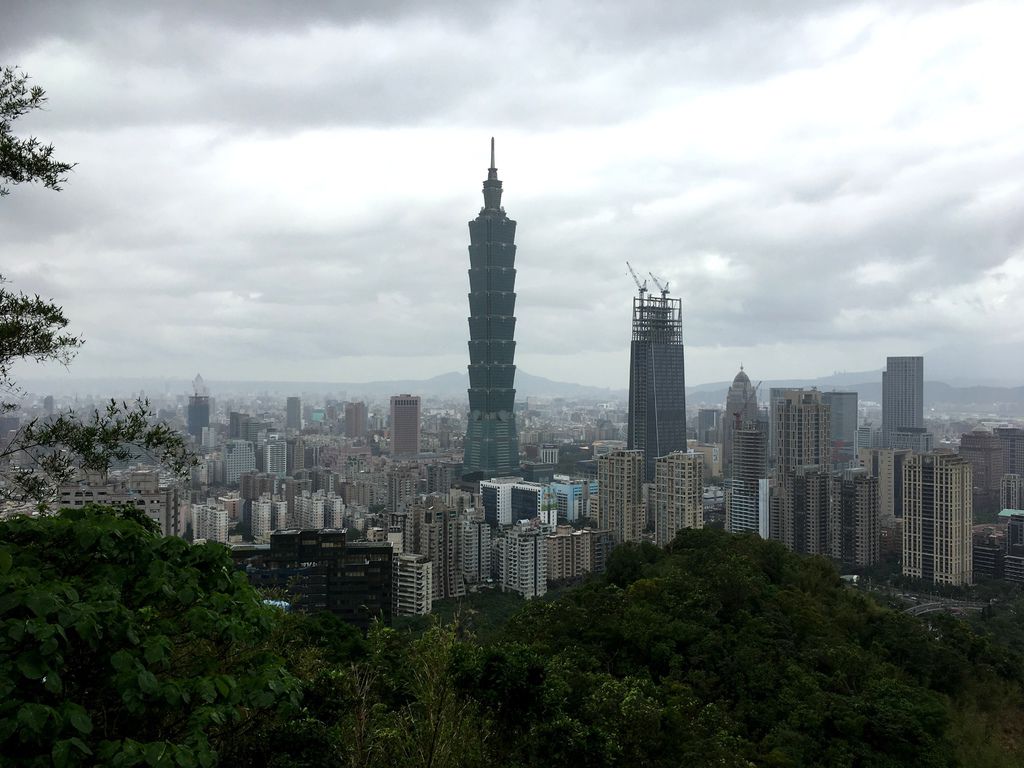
121, 647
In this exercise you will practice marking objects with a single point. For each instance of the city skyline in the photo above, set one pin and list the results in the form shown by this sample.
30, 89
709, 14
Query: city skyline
870, 150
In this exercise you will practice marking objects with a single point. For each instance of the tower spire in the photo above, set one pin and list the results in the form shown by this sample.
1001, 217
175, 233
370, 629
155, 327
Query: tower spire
492, 187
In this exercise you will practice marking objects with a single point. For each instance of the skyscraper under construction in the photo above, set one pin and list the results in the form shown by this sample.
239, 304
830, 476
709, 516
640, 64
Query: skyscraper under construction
492, 441
657, 384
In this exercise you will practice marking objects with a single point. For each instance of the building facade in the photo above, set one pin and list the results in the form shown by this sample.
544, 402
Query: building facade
887, 465
491, 447
1011, 492
412, 585
678, 495
355, 419
405, 425
198, 415
1012, 440
743, 493
801, 427
843, 414
657, 381
985, 452
741, 406
239, 457
620, 508
293, 413
323, 571
902, 400
521, 555
937, 518
854, 523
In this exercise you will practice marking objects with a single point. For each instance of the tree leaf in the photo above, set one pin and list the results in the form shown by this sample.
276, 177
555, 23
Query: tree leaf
148, 682
31, 665
80, 719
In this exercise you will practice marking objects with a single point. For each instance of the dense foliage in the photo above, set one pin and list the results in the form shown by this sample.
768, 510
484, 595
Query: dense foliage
118, 645
124, 647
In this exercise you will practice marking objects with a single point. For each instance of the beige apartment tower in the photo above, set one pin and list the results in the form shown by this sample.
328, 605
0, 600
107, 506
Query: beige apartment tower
620, 507
801, 432
937, 517
678, 494
886, 464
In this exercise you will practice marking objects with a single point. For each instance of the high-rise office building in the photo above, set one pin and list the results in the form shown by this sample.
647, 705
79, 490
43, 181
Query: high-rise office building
507, 500
198, 415
678, 494
854, 525
746, 493
405, 425
709, 422
293, 413
48, 405
843, 413
937, 518
903, 402
985, 452
198, 408
657, 381
620, 506
355, 419
741, 405
492, 441
799, 502
1012, 440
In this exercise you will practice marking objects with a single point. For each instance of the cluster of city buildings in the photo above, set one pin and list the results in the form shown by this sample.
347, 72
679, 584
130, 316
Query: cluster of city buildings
805, 471
373, 509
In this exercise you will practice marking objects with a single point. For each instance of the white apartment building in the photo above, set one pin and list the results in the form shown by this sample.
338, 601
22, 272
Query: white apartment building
521, 557
209, 523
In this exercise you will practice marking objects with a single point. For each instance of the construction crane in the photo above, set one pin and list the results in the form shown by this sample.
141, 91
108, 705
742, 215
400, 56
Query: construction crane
738, 415
662, 288
640, 287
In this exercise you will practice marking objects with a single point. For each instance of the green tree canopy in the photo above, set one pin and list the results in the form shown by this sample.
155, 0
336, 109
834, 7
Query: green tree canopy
123, 647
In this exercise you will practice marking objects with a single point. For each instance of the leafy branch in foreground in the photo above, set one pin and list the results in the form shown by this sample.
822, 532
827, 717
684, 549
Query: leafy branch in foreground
23, 160
51, 452
31, 328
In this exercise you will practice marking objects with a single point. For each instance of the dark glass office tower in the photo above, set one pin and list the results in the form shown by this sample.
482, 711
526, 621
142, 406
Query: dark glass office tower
492, 442
657, 388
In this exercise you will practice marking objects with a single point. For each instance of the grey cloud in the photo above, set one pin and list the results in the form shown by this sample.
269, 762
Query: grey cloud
144, 226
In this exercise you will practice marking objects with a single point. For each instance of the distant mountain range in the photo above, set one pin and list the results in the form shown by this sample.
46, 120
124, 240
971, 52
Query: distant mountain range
867, 384
445, 385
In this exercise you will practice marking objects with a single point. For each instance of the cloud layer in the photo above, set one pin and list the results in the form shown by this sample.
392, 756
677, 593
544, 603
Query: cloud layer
274, 194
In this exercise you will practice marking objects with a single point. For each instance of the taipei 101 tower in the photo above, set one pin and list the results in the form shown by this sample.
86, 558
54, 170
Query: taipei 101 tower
492, 442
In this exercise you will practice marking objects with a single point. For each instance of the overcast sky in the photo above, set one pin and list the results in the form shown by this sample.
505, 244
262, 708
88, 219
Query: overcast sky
278, 191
